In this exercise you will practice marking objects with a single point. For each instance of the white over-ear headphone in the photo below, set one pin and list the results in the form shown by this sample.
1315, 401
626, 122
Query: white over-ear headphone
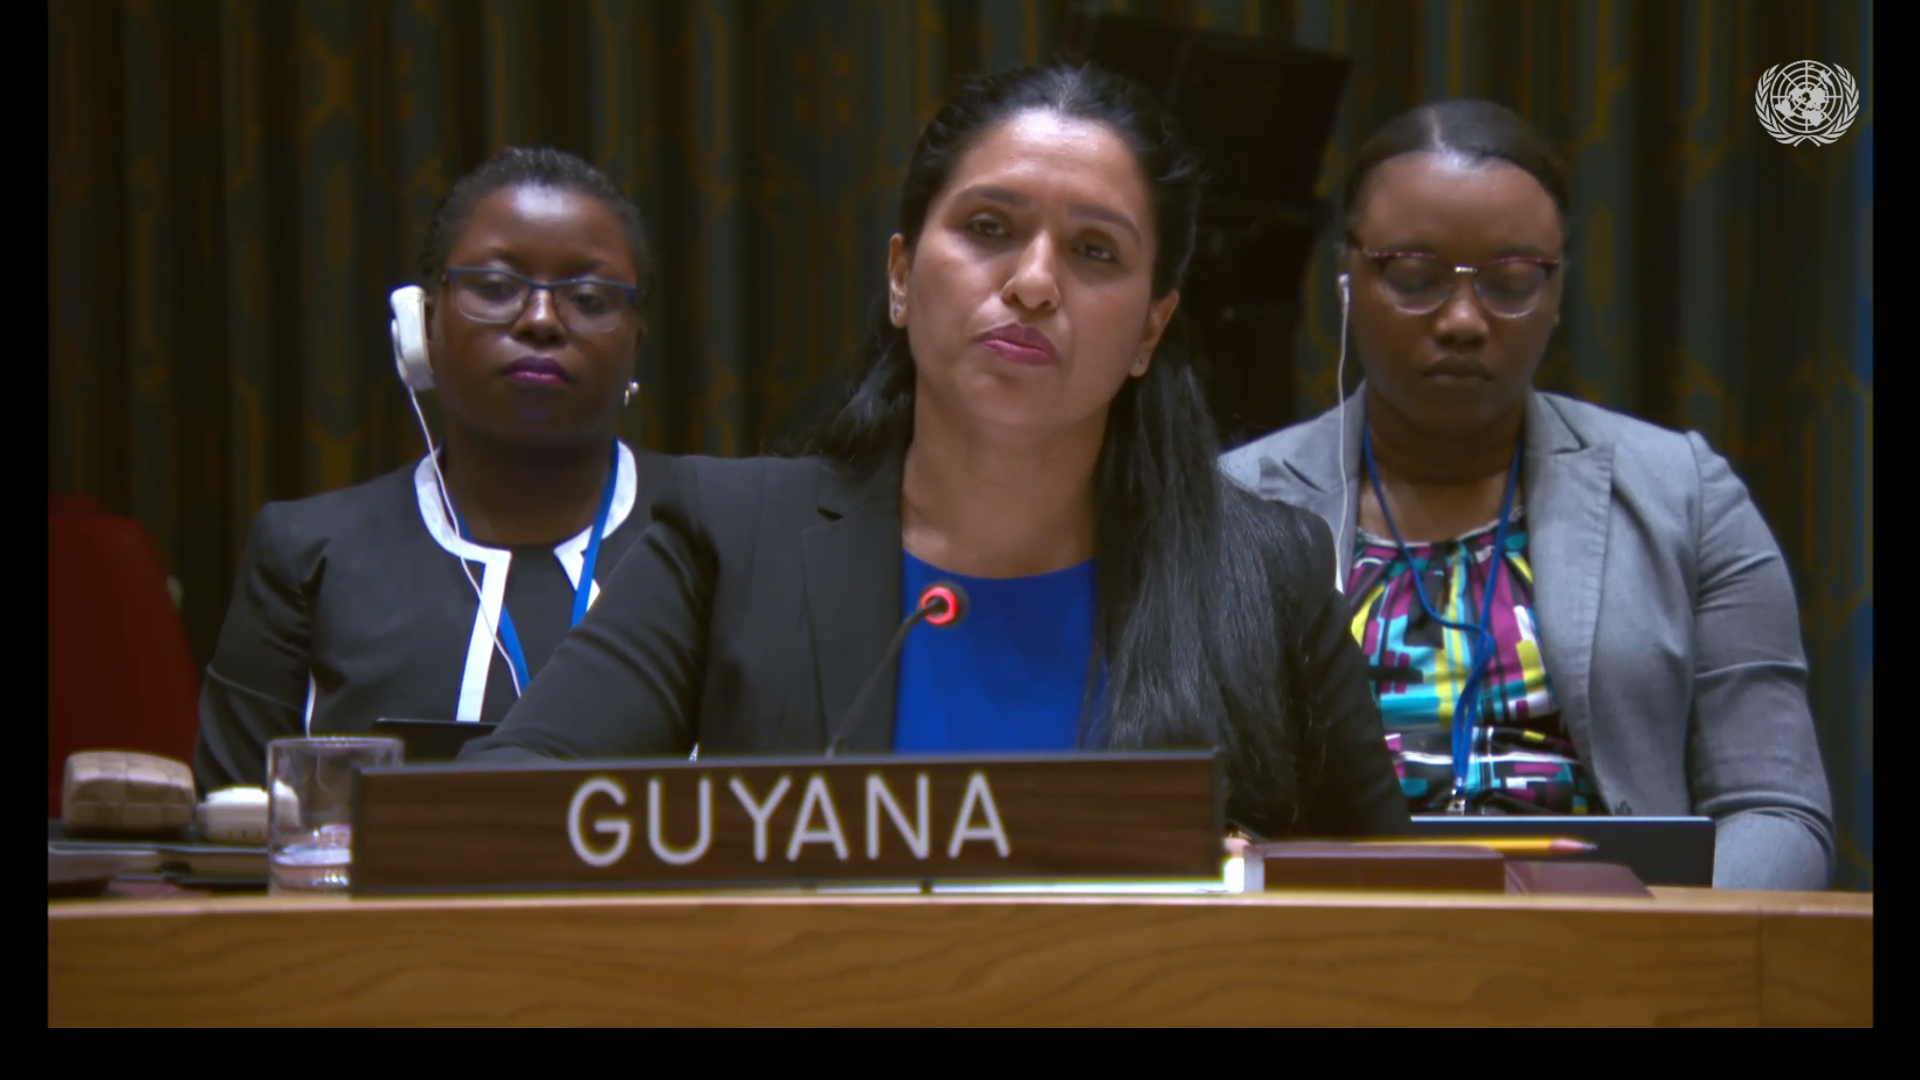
410, 362
410, 338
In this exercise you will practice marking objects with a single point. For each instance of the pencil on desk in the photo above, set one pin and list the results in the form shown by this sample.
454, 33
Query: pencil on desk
1506, 845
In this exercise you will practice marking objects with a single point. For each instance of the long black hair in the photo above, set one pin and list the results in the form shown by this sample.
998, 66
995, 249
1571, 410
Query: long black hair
1193, 572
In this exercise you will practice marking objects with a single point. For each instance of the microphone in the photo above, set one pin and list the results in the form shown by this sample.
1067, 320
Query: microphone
942, 604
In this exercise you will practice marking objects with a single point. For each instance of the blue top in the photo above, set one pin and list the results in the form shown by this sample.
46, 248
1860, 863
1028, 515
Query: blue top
1010, 677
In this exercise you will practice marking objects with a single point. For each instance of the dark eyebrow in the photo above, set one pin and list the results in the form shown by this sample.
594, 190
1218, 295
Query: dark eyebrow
1016, 200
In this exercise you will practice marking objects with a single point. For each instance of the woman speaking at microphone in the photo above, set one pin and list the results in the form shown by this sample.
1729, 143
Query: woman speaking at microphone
1027, 425
437, 591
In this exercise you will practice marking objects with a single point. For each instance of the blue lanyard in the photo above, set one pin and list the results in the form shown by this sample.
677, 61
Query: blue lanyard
582, 593
1467, 706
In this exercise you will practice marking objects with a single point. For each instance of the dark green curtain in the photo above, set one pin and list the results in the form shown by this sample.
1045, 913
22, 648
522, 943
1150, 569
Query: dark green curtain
234, 187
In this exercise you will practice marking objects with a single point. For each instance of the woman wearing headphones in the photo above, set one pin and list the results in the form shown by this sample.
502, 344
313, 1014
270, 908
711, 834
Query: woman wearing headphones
1564, 610
439, 590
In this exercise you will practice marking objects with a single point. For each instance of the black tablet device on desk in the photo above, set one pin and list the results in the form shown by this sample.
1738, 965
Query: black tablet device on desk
183, 860
430, 741
1659, 850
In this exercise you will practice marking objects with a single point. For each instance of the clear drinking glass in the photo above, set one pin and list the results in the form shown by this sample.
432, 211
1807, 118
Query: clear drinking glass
310, 808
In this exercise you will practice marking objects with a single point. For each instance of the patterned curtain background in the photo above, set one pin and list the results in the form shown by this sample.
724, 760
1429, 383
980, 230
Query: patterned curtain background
234, 186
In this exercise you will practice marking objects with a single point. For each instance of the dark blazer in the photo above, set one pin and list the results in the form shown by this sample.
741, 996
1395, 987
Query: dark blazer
766, 591
1666, 618
352, 605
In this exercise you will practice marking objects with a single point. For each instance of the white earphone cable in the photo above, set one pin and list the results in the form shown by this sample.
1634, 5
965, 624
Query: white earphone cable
446, 506
1340, 396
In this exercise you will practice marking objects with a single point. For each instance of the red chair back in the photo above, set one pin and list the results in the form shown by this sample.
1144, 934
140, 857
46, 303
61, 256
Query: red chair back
120, 675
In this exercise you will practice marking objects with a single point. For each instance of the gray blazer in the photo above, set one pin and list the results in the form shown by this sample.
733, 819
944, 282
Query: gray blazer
1667, 622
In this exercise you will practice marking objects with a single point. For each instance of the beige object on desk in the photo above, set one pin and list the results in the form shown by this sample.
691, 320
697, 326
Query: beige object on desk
111, 792
234, 815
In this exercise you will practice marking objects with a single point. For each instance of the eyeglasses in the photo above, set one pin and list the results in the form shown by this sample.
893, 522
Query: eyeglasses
585, 305
1420, 284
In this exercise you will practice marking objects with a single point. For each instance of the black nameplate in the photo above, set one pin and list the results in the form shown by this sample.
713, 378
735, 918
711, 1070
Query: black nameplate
681, 824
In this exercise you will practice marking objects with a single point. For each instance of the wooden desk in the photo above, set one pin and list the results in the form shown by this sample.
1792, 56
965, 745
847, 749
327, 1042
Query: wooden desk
1687, 957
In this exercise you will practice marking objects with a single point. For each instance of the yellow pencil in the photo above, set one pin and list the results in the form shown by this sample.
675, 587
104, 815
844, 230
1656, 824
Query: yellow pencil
1506, 845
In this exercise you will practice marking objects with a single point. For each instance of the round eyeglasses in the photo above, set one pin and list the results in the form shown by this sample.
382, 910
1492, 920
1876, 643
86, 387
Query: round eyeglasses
1420, 284
585, 305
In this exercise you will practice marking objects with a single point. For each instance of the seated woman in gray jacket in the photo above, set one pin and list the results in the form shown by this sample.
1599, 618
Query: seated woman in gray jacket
1635, 647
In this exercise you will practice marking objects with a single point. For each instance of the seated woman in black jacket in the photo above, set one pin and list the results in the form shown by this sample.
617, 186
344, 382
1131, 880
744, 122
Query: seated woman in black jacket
437, 591
1028, 424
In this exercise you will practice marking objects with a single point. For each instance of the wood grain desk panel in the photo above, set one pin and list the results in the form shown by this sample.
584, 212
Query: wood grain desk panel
1816, 971
1816, 951
799, 960
1771, 903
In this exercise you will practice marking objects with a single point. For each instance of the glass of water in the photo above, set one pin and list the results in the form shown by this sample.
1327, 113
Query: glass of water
310, 808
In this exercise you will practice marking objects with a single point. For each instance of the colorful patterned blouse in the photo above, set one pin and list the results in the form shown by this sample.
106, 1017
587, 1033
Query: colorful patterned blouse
1523, 761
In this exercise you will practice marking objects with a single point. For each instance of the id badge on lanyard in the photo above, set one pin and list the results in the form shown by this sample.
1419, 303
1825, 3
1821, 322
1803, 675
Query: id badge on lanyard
583, 589
1466, 707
